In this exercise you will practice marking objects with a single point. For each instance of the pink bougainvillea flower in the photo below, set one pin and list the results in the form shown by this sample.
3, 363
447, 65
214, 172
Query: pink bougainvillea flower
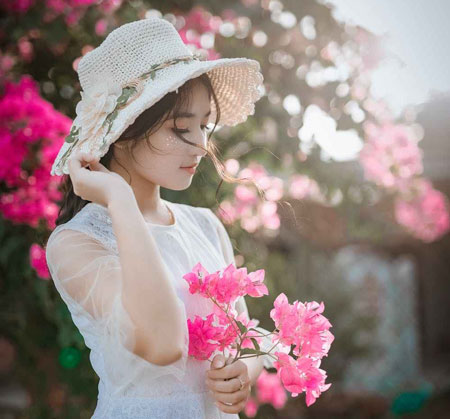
288, 373
298, 324
38, 261
254, 284
196, 279
312, 335
313, 378
203, 337
227, 287
301, 375
286, 319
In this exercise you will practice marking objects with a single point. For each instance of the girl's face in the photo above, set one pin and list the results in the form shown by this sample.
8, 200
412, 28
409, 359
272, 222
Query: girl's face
163, 164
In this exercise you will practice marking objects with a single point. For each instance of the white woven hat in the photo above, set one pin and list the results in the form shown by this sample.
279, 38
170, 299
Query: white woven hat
134, 67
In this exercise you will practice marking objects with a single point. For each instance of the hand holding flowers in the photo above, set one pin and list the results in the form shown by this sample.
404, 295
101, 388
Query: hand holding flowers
297, 324
230, 383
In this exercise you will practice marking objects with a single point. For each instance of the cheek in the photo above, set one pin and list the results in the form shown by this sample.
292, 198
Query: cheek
169, 143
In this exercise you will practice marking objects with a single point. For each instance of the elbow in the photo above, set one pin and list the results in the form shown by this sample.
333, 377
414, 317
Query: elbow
165, 357
160, 354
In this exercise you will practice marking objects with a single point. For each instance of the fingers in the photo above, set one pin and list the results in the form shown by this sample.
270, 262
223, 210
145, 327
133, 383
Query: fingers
218, 361
82, 159
232, 398
97, 166
236, 408
74, 162
226, 386
228, 371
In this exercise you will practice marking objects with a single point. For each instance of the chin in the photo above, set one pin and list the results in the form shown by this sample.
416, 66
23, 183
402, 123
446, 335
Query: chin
180, 186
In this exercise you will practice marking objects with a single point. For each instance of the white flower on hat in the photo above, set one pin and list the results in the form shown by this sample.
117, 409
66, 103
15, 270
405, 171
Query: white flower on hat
95, 105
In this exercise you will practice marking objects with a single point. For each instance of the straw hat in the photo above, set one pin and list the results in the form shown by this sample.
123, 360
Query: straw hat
134, 67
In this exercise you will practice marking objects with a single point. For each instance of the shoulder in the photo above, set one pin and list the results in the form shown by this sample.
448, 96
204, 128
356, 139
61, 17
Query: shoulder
93, 221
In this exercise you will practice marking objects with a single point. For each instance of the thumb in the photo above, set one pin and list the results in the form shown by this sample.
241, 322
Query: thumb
218, 361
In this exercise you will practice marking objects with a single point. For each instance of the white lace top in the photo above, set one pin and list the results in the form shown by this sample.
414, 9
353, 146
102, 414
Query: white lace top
84, 262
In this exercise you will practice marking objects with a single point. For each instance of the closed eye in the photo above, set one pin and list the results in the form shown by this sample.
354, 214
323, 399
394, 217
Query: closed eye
184, 131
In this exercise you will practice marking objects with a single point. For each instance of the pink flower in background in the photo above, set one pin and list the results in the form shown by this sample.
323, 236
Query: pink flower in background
6, 63
110, 6
304, 187
197, 22
251, 407
19, 6
25, 48
391, 156
247, 206
38, 261
269, 389
31, 132
71, 10
423, 211
101, 26
245, 195
227, 212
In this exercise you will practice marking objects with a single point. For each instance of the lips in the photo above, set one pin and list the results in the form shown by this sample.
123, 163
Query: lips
189, 167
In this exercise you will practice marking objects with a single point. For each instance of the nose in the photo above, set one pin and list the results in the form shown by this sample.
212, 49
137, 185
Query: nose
201, 139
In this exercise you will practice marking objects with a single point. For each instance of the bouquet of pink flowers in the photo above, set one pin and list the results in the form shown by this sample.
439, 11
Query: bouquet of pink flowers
299, 325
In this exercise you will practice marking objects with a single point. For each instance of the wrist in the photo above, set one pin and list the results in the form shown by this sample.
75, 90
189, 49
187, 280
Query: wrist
122, 202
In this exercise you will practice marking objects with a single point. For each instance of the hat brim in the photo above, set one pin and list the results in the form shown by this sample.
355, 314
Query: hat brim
236, 83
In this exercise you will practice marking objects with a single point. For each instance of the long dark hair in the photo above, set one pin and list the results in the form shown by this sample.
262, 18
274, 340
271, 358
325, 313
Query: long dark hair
145, 124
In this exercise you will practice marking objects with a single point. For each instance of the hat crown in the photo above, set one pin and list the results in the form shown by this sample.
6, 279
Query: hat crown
131, 50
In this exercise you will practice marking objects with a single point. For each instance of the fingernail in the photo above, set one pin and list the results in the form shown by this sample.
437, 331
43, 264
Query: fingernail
220, 364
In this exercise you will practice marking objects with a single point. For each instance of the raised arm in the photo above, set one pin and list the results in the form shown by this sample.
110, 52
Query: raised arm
90, 280
125, 305
148, 294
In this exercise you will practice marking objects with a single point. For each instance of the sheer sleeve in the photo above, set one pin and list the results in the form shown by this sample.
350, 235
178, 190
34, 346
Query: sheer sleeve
241, 305
88, 277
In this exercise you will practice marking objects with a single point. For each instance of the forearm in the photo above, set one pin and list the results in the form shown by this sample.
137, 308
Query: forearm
147, 293
255, 367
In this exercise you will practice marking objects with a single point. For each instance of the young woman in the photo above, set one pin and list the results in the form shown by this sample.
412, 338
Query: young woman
119, 251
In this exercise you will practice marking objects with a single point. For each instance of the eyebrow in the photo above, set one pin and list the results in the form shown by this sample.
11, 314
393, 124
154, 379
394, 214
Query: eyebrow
189, 115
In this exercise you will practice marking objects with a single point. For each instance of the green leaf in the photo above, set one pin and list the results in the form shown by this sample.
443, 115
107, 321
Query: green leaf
255, 343
126, 93
248, 351
72, 135
241, 326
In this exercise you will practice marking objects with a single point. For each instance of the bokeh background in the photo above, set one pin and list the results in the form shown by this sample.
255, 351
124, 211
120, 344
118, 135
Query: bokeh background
350, 143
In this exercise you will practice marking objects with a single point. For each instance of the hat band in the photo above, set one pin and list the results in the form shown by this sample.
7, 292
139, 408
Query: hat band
130, 92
